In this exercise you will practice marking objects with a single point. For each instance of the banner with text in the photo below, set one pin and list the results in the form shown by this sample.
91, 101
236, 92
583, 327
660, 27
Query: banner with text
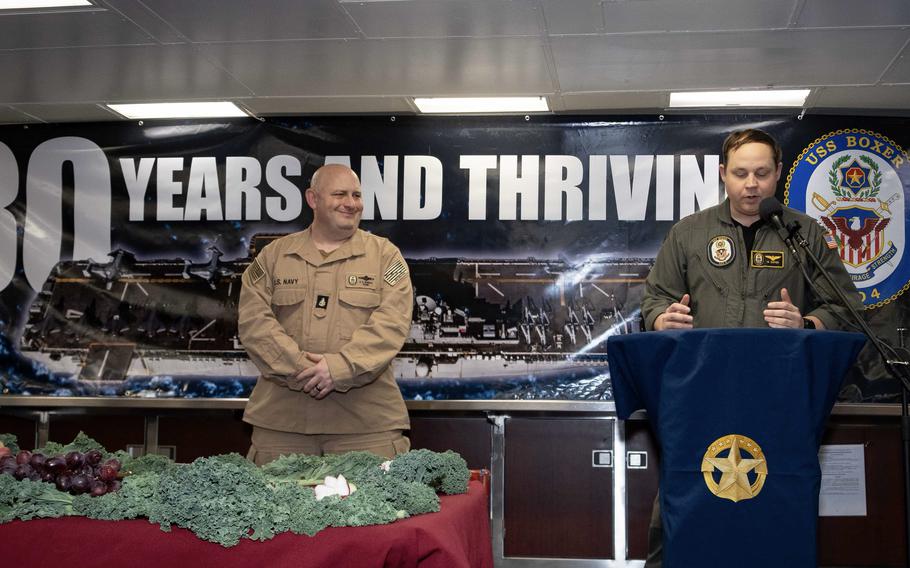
528, 239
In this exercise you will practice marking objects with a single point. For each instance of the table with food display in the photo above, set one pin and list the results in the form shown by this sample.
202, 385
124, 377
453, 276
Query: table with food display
81, 503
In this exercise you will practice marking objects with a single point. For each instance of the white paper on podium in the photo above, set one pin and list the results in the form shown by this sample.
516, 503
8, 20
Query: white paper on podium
843, 487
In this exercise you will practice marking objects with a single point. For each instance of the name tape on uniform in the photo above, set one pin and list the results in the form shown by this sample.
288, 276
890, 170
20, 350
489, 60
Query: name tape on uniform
767, 259
360, 281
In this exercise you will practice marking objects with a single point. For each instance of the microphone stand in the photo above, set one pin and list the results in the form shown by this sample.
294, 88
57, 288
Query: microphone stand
905, 438
786, 235
895, 363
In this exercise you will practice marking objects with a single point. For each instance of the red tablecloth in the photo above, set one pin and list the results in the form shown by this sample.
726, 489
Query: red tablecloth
456, 537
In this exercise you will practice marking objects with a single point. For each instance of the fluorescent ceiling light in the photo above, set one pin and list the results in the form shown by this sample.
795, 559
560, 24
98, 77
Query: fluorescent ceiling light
468, 105
32, 4
217, 109
767, 98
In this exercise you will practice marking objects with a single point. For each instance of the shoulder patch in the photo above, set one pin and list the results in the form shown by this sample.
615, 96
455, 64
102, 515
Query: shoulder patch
255, 271
395, 272
831, 240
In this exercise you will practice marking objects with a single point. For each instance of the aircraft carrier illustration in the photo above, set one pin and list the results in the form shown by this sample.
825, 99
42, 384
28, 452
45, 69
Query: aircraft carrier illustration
473, 318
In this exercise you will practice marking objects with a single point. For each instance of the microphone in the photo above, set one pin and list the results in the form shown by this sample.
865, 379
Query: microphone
770, 210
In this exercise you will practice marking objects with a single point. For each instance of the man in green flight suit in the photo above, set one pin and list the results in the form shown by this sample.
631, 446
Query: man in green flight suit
726, 267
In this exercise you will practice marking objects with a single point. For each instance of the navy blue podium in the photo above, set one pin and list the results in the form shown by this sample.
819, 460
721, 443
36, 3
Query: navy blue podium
739, 415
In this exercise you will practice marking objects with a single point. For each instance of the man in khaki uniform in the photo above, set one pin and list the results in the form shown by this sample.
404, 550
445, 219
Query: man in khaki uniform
322, 314
725, 267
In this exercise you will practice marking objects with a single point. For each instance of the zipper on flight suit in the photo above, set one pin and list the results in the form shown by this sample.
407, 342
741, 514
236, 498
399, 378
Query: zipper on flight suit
775, 286
744, 273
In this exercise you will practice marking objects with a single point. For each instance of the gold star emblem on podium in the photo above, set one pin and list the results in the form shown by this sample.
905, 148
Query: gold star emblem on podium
734, 483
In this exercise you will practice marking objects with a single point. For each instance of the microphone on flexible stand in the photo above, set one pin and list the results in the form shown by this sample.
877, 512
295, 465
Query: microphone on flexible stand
896, 361
771, 211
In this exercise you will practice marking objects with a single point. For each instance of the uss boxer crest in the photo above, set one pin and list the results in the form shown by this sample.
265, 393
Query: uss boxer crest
720, 251
855, 183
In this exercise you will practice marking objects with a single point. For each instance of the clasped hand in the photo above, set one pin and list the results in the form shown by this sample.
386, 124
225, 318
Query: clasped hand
316, 381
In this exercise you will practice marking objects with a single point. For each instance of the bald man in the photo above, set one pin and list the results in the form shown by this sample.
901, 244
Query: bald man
322, 314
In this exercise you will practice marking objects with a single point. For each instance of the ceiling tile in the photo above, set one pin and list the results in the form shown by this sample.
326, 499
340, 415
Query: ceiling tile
850, 13
696, 15
277, 106
68, 29
68, 112
446, 18
137, 13
900, 71
646, 62
241, 20
388, 67
96, 74
615, 101
9, 115
864, 97
573, 16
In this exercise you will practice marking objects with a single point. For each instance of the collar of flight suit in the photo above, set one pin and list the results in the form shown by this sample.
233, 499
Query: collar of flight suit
306, 249
723, 213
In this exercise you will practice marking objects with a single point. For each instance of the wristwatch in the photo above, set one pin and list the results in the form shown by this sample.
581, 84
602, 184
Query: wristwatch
808, 324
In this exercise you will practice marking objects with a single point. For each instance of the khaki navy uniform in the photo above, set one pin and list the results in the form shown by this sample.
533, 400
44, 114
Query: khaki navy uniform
735, 292
353, 306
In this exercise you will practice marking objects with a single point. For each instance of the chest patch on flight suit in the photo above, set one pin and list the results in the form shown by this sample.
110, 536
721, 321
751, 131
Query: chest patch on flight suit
360, 281
322, 302
395, 272
767, 259
720, 251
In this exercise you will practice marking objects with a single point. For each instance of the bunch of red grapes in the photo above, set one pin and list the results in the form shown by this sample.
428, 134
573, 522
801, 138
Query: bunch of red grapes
74, 473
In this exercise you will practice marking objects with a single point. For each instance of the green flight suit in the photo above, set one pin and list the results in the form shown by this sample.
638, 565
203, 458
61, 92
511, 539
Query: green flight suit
735, 293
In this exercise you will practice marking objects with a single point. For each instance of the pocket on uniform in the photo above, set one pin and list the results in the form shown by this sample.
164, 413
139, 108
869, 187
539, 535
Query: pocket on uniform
288, 296
287, 305
360, 298
356, 308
